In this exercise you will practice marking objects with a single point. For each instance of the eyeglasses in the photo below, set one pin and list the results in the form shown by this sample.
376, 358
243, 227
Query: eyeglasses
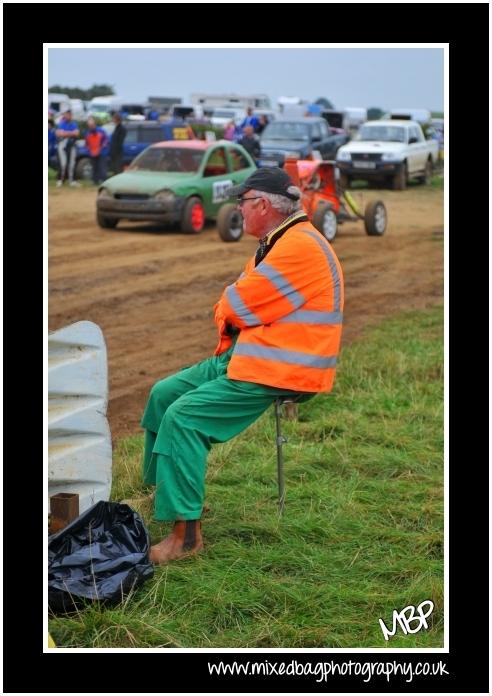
240, 201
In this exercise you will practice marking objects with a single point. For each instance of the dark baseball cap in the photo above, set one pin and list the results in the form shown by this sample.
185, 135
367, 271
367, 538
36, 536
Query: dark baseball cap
268, 179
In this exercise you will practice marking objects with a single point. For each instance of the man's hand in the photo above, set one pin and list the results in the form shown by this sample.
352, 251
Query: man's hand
231, 330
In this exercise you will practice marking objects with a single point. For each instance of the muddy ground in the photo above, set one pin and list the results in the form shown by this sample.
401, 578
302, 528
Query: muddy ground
152, 290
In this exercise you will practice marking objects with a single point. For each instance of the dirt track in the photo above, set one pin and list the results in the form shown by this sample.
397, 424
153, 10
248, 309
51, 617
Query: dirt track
152, 291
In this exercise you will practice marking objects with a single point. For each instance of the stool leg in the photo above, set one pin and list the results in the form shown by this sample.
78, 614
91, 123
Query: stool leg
280, 460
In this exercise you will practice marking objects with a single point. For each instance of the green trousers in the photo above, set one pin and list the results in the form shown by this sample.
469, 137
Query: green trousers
185, 415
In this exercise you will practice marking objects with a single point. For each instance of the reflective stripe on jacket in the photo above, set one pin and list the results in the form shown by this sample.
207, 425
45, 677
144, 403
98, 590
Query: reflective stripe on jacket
289, 310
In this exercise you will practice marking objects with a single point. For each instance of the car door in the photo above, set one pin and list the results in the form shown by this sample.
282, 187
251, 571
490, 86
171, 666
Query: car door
216, 179
422, 147
318, 143
329, 142
414, 159
130, 144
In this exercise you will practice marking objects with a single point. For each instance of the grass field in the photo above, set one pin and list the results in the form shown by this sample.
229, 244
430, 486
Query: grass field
362, 532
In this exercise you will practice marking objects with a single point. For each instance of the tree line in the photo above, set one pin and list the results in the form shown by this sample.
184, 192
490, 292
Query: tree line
85, 94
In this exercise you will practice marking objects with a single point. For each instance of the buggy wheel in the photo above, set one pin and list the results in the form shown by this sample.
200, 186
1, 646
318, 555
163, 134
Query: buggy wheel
325, 220
193, 216
375, 218
230, 223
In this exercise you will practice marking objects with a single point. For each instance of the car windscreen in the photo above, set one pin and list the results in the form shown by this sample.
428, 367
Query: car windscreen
166, 159
286, 131
387, 134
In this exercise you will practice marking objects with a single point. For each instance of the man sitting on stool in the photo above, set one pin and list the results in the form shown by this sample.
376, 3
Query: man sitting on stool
279, 329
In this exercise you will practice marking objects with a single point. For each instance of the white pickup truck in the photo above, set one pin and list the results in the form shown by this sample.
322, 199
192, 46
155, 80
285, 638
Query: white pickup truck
393, 151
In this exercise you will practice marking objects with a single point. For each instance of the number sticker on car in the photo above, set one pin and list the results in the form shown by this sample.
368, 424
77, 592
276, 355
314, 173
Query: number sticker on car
180, 133
219, 191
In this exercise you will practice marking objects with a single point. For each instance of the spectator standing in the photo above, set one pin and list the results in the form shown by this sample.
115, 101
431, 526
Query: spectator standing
67, 134
263, 123
250, 142
52, 141
230, 131
116, 145
250, 120
96, 140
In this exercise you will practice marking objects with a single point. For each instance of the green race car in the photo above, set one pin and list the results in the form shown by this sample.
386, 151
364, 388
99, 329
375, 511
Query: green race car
184, 182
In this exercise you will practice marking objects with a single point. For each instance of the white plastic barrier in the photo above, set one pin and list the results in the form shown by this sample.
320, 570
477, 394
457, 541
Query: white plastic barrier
79, 438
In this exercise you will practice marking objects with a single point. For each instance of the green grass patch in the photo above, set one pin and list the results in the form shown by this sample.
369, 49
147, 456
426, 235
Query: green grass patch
437, 181
362, 532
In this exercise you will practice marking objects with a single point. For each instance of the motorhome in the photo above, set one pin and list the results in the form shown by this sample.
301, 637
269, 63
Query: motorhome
261, 101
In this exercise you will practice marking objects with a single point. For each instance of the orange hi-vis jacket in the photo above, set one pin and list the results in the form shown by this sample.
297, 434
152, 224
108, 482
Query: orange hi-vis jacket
289, 310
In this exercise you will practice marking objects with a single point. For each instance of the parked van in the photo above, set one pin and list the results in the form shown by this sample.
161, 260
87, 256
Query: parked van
105, 104
422, 116
221, 116
185, 111
58, 103
78, 109
114, 103
355, 116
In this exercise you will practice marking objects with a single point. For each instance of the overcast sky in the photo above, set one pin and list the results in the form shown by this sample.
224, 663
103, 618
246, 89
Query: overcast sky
383, 77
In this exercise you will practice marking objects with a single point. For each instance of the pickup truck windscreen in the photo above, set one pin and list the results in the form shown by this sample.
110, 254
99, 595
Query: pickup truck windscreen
387, 134
286, 131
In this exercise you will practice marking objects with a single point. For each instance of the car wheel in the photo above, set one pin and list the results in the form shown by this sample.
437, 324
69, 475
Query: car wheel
106, 223
400, 178
427, 173
344, 181
83, 169
325, 221
193, 216
375, 218
230, 223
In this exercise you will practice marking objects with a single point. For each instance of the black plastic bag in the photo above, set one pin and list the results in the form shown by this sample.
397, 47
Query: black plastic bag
100, 556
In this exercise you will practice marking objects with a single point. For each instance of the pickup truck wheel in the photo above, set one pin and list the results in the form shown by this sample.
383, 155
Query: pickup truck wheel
425, 179
230, 223
83, 169
193, 216
400, 178
344, 181
325, 220
375, 218
106, 223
